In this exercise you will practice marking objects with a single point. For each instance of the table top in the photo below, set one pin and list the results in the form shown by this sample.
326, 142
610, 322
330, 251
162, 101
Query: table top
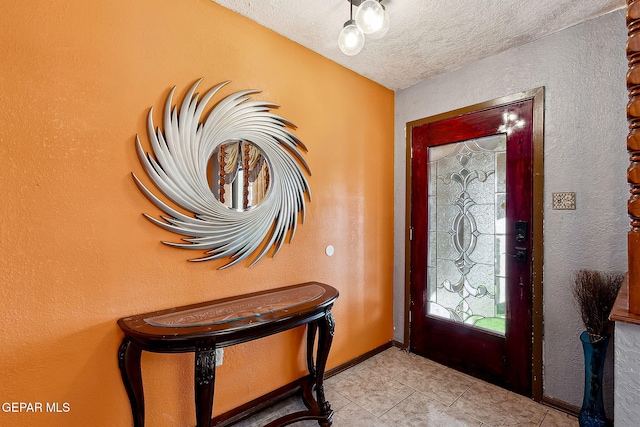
224, 319
620, 311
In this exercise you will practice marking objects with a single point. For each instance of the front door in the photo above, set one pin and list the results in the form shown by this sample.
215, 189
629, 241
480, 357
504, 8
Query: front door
472, 221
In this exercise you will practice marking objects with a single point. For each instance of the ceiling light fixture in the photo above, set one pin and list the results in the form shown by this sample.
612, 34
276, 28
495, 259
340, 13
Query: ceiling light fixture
371, 19
370, 16
351, 39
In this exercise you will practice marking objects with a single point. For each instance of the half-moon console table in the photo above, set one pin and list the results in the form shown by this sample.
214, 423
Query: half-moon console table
204, 327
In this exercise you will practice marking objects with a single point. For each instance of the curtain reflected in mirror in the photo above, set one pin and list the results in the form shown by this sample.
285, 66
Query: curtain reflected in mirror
238, 175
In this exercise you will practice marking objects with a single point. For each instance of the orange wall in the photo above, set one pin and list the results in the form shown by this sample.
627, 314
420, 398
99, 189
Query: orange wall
77, 80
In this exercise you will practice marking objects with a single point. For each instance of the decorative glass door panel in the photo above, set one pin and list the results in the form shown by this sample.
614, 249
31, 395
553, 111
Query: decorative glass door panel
466, 246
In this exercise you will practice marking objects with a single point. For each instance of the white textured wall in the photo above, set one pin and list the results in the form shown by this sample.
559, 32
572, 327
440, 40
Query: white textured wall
583, 70
627, 375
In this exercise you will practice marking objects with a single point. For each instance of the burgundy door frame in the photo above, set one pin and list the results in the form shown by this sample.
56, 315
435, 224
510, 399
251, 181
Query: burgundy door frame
537, 203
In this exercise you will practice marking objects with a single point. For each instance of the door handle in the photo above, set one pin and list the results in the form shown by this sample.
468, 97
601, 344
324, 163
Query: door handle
520, 255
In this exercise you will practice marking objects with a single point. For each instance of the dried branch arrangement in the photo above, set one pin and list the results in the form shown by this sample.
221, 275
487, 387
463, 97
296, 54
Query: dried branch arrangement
595, 292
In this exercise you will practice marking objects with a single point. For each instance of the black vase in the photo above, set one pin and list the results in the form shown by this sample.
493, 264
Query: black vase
592, 411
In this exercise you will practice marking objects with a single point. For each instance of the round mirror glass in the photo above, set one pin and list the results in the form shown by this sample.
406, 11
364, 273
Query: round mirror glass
239, 175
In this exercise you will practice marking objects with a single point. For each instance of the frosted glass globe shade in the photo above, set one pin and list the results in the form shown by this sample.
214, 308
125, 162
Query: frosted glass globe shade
370, 16
382, 31
351, 39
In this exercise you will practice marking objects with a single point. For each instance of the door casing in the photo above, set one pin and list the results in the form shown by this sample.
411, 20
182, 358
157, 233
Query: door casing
537, 95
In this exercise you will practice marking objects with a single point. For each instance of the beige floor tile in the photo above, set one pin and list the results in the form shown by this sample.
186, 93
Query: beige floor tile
558, 419
483, 402
399, 389
336, 400
402, 355
522, 411
307, 423
498, 407
436, 381
419, 410
388, 364
521, 424
342, 375
354, 416
375, 394
287, 406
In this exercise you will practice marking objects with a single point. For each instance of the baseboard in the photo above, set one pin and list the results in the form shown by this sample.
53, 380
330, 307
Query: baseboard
565, 407
353, 362
560, 405
400, 345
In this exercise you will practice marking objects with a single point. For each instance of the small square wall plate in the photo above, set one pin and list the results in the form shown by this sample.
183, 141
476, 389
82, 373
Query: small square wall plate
564, 201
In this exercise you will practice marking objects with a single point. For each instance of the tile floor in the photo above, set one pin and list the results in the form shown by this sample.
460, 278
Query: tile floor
398, 389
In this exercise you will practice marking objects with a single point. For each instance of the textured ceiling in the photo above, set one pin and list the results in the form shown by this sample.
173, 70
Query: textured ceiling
427, 37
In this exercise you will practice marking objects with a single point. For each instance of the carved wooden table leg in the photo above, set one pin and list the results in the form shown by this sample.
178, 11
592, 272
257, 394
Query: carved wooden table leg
129, 362
205, 376
326, 328
311, 339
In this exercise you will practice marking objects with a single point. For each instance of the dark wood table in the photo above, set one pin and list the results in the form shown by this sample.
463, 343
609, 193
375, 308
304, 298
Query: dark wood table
204, 327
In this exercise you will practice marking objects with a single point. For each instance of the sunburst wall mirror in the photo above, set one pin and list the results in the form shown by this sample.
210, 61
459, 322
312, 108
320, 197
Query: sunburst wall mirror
237, 170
